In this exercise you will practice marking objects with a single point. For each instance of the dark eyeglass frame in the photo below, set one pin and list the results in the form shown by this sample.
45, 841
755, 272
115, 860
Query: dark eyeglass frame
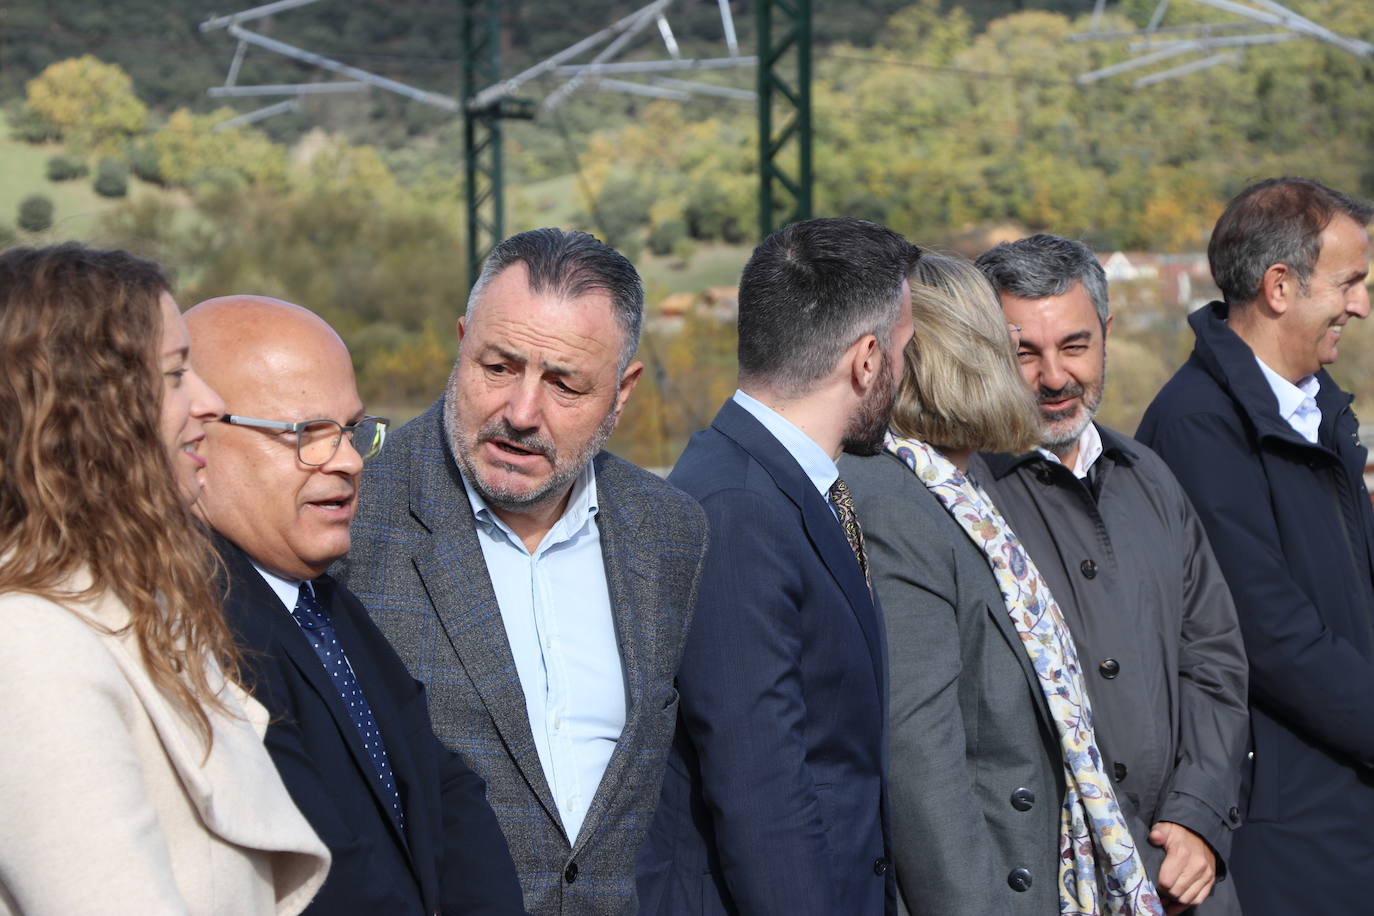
300, 426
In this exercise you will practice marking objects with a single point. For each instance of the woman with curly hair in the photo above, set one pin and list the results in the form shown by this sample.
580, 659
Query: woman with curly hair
133, 778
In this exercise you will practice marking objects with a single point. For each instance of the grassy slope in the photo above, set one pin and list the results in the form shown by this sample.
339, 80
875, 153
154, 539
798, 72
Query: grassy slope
76, 206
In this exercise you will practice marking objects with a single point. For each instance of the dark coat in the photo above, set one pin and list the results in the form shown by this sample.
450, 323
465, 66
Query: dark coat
773, 798
452, 858
977, 774
1293, 531
418, 564
1127, 559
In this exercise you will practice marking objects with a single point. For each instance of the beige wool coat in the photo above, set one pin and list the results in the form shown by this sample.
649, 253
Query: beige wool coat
108, 803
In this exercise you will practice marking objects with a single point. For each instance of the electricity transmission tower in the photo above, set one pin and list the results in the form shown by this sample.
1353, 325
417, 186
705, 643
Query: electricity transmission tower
1157, 43
783, 93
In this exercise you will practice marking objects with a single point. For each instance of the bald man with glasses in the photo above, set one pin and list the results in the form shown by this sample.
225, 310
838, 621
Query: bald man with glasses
407, 821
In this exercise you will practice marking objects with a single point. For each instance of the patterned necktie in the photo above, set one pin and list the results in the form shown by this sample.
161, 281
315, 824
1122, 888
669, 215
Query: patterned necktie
843, 502
315, 625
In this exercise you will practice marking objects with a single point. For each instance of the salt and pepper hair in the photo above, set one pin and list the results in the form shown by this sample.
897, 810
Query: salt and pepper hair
961, 388
1277, 221
570, 265
1044, 265
810, 290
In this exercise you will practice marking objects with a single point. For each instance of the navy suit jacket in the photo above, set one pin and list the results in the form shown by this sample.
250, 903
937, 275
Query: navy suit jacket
452, 857
774, 793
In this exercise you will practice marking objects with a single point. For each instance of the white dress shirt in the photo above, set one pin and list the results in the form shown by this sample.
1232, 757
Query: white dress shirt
818, 466
1297, 403
556, 608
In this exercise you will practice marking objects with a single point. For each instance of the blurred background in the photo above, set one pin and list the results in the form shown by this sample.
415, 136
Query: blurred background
959, 124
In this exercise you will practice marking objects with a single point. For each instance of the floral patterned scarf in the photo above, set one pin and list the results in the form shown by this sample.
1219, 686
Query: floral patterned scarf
1100, 870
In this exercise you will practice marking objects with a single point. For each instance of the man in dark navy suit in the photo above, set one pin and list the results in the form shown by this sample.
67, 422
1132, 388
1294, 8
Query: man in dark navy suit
774, 794
407, 822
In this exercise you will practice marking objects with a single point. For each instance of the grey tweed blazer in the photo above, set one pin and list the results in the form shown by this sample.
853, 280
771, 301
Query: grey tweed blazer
417, 565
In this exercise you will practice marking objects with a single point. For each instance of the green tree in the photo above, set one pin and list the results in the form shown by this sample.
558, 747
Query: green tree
111, 178
88, 103
35, 213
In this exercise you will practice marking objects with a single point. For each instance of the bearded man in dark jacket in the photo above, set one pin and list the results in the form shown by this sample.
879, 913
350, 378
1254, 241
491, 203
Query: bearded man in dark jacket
1128, 562
1268, 448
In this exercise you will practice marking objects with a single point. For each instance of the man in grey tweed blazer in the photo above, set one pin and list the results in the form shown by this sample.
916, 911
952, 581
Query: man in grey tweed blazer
540, 587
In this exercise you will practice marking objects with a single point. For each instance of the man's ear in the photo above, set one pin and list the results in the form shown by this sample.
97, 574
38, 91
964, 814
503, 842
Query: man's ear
627, 384
462, 327
865, 361
1107, 326
1277, 288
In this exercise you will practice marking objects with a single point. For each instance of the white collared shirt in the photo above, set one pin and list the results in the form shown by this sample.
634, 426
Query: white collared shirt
818, 466
1297, 403
556, 609
1089, 450
288, 590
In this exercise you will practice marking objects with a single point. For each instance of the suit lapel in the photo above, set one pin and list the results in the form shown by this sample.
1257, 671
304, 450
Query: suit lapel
1007, 627
454, 573
633, 613
822, 528
259, 607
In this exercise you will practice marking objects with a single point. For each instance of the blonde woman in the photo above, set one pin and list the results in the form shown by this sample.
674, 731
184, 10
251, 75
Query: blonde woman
133, 779
996, 804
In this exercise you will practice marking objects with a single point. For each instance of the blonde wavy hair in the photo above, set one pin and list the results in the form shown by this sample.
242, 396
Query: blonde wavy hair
961, 387
85, 480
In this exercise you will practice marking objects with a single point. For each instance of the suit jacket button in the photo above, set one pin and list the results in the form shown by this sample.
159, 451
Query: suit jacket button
1109, 668
570, 873
1119, 771
880, 866
1233, 814
1089, 569
1019, 879
1022, 799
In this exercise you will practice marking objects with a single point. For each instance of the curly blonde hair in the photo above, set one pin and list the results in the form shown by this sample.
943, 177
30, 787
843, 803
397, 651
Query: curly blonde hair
961, 387
85, 481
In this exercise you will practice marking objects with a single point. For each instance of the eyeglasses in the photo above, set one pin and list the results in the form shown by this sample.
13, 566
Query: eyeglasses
1015, 331
317, 441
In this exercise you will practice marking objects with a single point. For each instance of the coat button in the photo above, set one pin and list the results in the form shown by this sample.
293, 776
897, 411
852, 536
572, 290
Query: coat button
1233, 814
1089, 569
1023, 799
570, 873
1109, 668
880, 866
1019, 879
1119, 771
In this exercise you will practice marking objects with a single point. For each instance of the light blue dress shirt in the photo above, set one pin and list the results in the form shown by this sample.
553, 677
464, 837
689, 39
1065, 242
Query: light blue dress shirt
556, 609
1297, 403
815, 462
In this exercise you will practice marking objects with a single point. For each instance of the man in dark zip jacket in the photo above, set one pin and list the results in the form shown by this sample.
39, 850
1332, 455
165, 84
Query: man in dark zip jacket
1268, 449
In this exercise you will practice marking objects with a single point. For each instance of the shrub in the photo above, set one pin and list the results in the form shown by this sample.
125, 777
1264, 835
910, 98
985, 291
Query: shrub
111, 178
143, 162
29, 126
663, 236
65, 168
35, 213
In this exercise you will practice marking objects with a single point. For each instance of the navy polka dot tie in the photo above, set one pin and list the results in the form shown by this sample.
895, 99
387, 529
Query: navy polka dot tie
317, 628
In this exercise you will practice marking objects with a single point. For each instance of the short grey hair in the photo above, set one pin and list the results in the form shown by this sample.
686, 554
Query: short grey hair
1044, 265
810, 290
570, 265
1277, 221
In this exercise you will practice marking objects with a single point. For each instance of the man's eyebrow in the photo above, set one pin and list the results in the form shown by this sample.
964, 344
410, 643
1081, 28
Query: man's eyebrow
1076, 337
544, 366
